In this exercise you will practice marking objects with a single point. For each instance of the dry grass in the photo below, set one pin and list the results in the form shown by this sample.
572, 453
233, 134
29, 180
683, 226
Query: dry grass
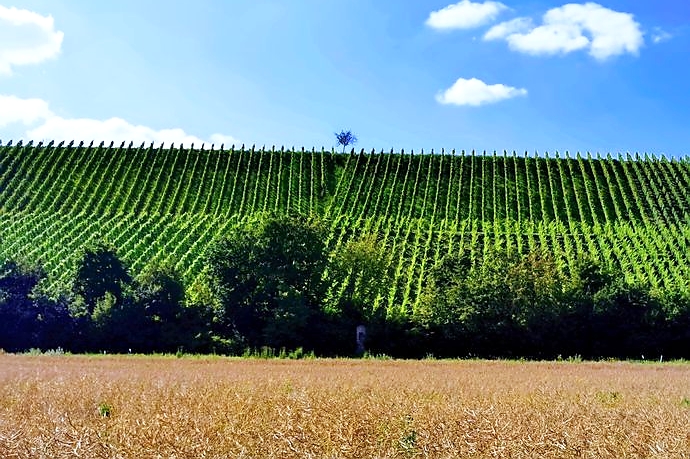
137, 407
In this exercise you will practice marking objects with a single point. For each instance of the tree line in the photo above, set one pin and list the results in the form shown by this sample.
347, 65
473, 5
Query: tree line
263, 286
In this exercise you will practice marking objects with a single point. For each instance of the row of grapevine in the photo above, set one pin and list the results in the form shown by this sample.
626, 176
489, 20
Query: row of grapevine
596, 191
167, 205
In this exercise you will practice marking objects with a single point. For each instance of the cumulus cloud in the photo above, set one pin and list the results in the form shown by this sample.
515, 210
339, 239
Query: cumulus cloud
26, 38
474, 92
46, 125
24, 111
116, 130
507, 28
603, 32
465, 15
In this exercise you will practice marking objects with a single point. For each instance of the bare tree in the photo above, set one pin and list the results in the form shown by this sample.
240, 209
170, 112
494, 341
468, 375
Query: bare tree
345, 138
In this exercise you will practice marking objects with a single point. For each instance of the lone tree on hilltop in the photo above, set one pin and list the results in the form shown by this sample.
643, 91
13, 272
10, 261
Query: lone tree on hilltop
345, 138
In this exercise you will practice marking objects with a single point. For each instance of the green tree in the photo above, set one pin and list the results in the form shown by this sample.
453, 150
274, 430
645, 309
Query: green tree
493, 305
266, 278
345, 138
590, 276
536, 287
103, 306
100, 271
115, 325
160, 295
444, 311
26, 319
625, 322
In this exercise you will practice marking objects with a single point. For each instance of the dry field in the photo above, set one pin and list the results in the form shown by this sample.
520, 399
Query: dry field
148, 407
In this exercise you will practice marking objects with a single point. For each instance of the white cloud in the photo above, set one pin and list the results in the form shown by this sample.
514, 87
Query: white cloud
475, 92
604, 32
117, 130
550, 39
25, 111
507, 28
48, 126
220, 139
465, 15
660, 35
26, 38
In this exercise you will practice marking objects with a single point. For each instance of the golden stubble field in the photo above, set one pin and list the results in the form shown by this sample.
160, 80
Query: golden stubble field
150, 407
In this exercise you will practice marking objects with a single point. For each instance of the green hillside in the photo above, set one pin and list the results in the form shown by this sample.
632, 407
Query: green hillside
167, 205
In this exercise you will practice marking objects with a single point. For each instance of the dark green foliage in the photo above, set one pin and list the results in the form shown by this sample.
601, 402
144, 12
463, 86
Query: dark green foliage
100, 272
116, 325
627, 322
161, 292
28, 319
590, 277
146, 315
149, 318
17, 282
266, 291
523, 307
676, 328
498, 307
268, 280
168, 324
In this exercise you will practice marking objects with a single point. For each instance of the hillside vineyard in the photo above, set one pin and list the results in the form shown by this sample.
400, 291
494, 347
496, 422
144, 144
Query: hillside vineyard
168, 205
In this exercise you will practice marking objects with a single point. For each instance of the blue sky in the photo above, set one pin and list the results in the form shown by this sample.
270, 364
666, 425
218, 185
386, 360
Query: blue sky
530, 75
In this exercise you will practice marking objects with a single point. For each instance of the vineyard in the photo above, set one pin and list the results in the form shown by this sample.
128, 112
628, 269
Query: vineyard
159, 205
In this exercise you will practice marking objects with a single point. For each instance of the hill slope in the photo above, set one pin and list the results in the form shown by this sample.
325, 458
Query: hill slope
158, 205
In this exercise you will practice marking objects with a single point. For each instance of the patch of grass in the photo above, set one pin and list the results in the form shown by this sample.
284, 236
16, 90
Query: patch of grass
266, 353
36, 351
105, 409
610, 398
408, 441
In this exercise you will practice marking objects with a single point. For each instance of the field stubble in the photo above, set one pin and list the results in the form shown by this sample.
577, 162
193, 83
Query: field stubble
140, 407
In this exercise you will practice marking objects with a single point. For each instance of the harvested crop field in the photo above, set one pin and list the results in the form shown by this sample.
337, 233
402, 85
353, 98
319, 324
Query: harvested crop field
141, 407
